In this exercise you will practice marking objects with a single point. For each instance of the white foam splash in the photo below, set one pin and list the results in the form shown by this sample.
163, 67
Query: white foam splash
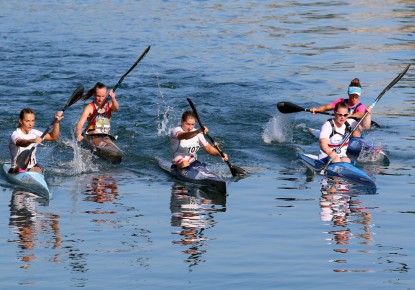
82, 158
277, 129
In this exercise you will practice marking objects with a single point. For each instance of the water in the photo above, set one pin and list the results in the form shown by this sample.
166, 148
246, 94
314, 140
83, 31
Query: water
280, 228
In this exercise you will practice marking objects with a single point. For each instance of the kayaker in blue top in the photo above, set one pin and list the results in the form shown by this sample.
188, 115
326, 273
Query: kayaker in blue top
185, 141
356, 109
335, 130
25, 137
101, 124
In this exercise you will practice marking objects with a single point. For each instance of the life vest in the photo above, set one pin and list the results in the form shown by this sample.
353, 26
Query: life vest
353, 109
101, 122
346, 132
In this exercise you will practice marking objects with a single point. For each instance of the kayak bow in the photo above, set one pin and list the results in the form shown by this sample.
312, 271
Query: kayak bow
196, 173
31, 181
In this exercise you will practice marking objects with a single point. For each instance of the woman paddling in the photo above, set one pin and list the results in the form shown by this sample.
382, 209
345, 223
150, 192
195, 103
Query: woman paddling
356, 109
101, 122
335, 130
25, 137
185, 141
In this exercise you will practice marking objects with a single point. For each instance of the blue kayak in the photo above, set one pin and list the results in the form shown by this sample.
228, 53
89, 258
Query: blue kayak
342, 170
31, 181
196, 173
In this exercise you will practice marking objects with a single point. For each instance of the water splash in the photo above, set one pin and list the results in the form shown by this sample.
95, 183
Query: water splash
164, 113
372, 154
163, 125
82, 159
278, 129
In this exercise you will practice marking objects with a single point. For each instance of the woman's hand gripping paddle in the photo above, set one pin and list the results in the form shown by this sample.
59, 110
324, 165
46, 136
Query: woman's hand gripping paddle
235, 170
114, 88
24, 157
288, 108
395, 80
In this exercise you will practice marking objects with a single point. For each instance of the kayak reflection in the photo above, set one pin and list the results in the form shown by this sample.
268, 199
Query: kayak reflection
34, 231
193, 211
102, 188
350, 223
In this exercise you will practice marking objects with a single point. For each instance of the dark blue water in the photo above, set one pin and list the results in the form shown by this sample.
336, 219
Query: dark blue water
134, 226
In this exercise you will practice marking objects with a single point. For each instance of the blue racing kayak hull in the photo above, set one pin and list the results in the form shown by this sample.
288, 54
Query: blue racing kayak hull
196, 173
31, 181
342, 170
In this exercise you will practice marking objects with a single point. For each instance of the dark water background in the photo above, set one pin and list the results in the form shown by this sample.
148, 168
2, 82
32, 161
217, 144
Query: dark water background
132, 226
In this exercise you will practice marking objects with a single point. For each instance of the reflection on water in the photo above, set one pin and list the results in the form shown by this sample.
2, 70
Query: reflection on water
34, 231
102, 188
351, 222
193, 212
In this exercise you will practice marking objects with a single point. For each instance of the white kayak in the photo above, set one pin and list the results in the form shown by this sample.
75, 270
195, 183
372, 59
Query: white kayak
31, 181
357, 146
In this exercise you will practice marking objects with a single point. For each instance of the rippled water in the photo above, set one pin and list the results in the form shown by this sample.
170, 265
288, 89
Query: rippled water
281, 227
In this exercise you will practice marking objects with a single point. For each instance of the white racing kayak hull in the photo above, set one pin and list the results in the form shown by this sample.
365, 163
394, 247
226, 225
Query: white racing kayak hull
31, 181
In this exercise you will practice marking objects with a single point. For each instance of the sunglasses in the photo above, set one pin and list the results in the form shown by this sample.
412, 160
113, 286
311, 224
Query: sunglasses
342, 115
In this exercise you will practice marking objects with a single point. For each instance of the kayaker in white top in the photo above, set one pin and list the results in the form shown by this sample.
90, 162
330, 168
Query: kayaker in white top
185, 141
101, 123
335, 130
25, 137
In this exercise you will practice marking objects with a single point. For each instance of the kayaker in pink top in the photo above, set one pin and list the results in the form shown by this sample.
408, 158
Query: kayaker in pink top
356, 108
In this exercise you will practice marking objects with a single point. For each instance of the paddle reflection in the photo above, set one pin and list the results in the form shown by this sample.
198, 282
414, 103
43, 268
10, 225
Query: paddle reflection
102, 189
193, 211
351, 221
34, 231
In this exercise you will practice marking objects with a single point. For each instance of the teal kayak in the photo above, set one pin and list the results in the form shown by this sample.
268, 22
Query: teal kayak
31, 181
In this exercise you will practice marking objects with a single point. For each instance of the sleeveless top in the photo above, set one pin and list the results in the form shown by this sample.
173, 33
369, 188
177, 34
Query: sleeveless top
101, 123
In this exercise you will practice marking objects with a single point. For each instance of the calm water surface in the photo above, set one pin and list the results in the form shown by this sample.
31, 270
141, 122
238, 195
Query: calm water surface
117, 227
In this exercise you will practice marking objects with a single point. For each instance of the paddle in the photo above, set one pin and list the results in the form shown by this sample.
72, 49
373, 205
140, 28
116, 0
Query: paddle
235, 170
114, 88
398, 77
23, 159
288, 107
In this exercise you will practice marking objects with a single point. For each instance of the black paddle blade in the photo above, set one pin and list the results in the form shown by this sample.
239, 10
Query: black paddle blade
237, 171
23, 159
287, 107
76, 96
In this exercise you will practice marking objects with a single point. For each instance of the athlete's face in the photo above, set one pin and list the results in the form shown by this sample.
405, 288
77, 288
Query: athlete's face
353, 99
100, 95
27, 123
341, 116
189, 124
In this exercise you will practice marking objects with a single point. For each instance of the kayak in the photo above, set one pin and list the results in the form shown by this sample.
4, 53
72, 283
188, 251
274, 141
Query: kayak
103, 146
342, 170
31, 181
197, 173
357, 145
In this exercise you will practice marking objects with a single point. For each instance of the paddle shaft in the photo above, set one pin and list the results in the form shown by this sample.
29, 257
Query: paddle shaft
203, 128
395, 80
115, 88
234, 169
